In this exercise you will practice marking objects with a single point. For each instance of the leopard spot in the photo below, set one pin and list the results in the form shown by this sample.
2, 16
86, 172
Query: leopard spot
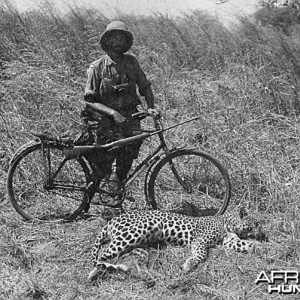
181, 242
125, 234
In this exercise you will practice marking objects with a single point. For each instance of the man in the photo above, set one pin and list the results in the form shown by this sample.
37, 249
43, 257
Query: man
111, 90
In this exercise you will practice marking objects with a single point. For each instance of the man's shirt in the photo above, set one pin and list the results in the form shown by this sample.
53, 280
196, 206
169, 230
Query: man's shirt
104, 74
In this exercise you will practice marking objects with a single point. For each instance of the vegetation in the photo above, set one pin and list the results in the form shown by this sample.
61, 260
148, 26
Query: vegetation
245, 84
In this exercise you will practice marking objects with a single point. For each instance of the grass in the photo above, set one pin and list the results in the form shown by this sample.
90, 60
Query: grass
245, 85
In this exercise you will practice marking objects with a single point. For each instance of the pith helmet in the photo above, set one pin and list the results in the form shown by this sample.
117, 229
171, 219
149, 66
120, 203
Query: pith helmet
112, 27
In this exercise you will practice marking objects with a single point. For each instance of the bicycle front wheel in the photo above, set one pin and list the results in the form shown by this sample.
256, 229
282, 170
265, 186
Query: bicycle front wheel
36, 194
190, 182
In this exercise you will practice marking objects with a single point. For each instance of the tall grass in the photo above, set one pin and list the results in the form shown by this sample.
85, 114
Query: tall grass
244, 82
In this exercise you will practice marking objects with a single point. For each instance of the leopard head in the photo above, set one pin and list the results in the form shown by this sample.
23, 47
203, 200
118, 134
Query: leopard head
244, 224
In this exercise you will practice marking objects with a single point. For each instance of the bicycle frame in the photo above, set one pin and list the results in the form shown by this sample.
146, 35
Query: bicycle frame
50, 183
154, 157
148, 162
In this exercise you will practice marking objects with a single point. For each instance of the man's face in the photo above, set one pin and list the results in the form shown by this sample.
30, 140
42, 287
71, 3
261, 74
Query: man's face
117, 42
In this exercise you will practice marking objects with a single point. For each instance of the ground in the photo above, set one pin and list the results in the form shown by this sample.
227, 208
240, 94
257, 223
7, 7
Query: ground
52, 261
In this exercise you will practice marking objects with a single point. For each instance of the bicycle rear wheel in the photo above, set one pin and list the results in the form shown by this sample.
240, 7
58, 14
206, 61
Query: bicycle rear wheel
190, 182
35, 196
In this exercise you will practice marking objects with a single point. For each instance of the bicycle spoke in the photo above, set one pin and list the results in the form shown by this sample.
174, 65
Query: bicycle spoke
189, 179
35, 197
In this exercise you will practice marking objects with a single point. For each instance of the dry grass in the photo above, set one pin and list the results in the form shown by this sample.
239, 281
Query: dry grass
52, 262
245, 84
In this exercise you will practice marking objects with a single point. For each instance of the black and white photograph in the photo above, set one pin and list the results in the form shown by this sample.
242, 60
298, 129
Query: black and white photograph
149, 149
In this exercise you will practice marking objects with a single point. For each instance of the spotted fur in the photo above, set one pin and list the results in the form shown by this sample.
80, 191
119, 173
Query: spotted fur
143, 229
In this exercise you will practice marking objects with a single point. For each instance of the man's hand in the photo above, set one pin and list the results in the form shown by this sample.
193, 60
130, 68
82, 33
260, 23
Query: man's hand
118, 118
152, 112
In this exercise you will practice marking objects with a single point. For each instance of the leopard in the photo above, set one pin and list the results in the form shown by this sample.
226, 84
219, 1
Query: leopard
154, 228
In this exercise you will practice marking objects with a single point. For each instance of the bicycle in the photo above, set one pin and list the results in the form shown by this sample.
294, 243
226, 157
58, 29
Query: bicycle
52, 178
